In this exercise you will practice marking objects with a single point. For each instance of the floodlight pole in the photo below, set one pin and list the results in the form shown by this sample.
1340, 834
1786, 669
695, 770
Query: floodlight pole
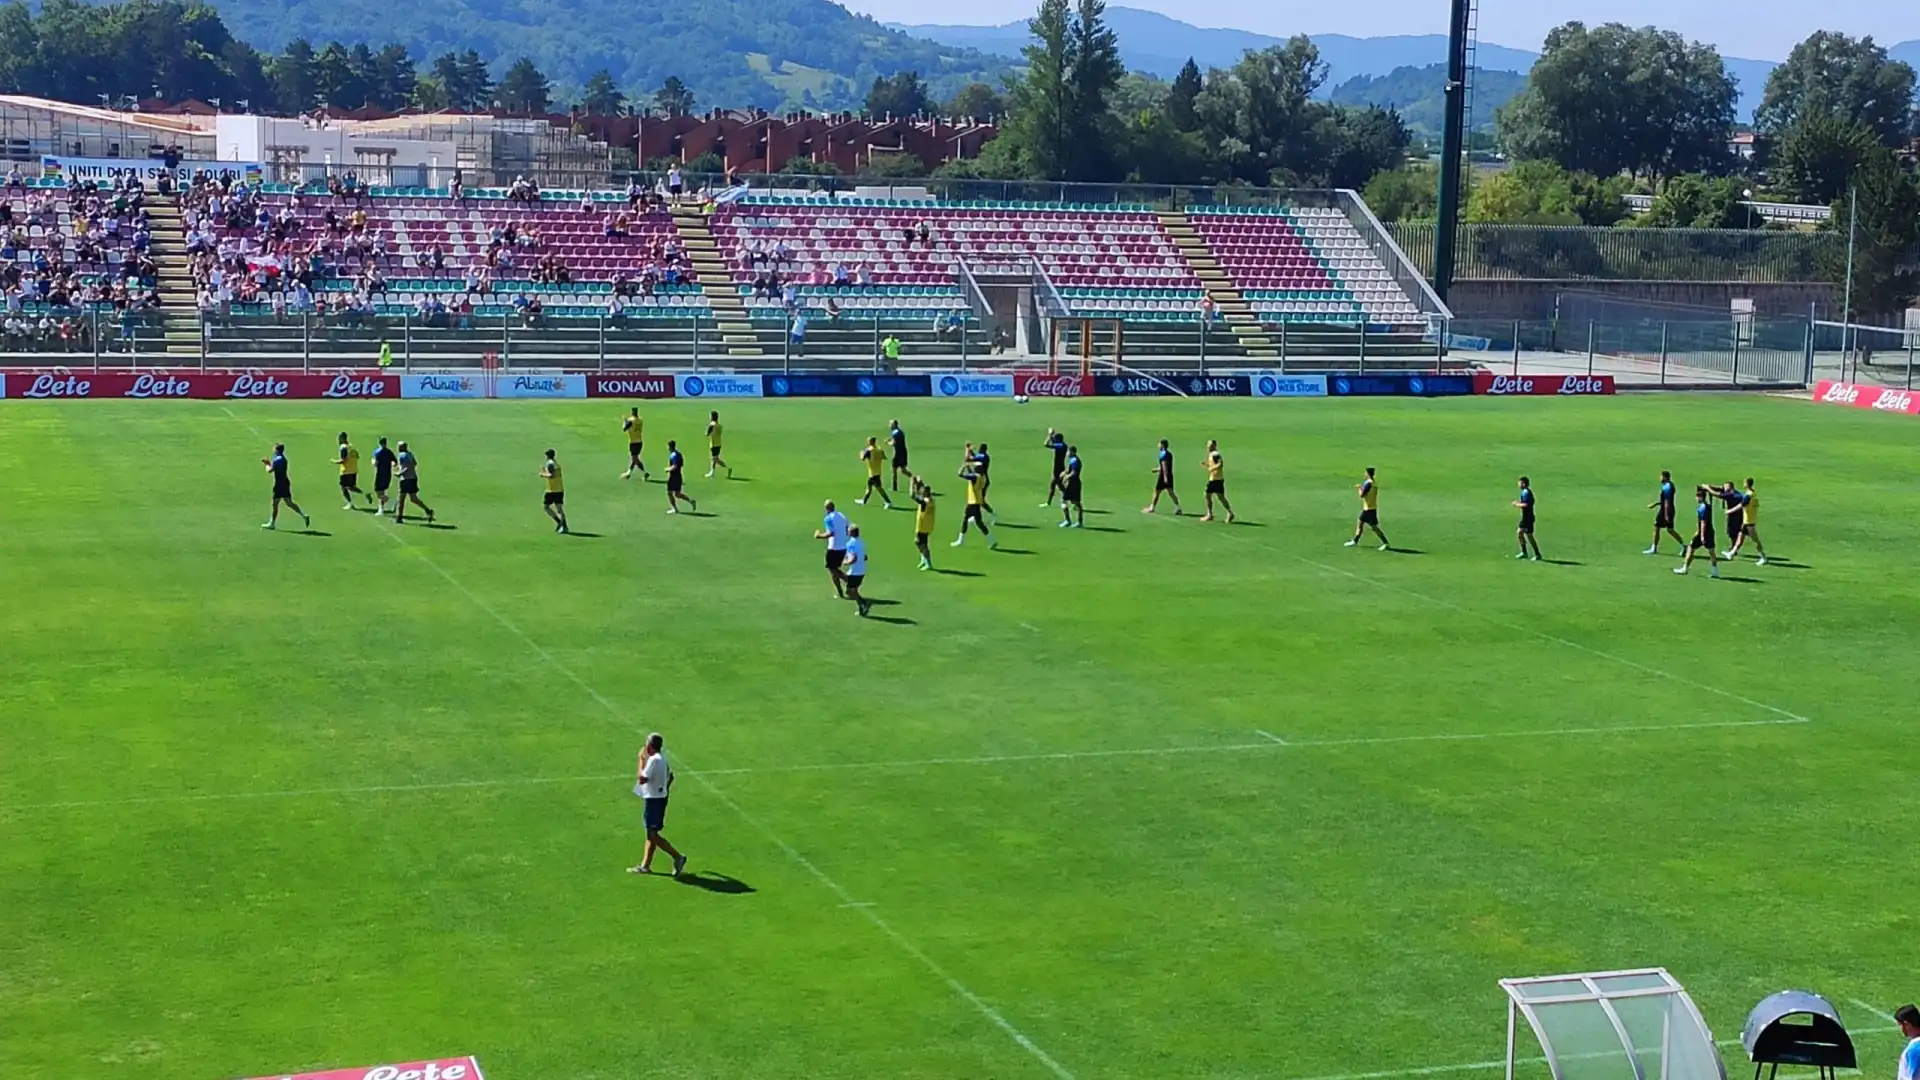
1846, 301
1452, 149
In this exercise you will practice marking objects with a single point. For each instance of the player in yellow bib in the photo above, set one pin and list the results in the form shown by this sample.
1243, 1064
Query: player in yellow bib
1369, 490
556, 498
633, 426
876, 462
1749, 525
922, 520
348, 459
715, 461
976, 502
1216, 482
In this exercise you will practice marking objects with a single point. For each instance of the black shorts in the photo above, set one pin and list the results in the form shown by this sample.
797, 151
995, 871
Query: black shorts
283, 491
873, 481
1216, 487
1663, 518
920, 539
854, 580
900, 460
654, 814
1163, 483
713, 452
673, 482
349, 480
1370, 517
409, 487
1071, 492
1702, 542
555, 498
973, 514
1746, 528
1526, 522
633, 448
1735, 523
673, 189
836, 556
382, 481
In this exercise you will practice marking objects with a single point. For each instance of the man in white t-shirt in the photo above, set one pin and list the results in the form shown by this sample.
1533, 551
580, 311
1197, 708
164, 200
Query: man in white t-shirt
652, 785
833, 529
1908, 1017
856, 569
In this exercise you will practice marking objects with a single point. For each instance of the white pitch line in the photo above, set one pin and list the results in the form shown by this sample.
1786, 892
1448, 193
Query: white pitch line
899, 939
1274, 743
1542, 635
301, 793
1874, 1009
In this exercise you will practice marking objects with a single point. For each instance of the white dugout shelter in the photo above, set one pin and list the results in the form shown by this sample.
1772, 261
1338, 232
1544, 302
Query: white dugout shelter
1613, 1025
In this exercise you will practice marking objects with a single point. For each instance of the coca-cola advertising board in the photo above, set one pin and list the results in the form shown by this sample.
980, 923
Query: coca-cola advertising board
632, 384
1503, 385
197, 385
1862, 396
1040, 385
461, 1068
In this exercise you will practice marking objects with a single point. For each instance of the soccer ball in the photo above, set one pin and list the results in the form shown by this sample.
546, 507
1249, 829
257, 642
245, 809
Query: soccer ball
1019, 399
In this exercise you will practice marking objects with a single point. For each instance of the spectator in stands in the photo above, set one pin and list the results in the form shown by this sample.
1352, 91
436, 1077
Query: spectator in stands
1209, 311
616, 226
15, 181
464, 313
833, 309
586, 202
841, 279
925, 235
797, 333
790, 297
373, 282
457, 189
782, 254
675, 183
866, 276
950, 327
906, 237
635, 193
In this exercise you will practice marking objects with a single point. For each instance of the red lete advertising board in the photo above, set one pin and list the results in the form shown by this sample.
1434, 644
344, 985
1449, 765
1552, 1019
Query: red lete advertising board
1862, 396
198, 385
1042, 385
462, 1068
1488, 382
630, 384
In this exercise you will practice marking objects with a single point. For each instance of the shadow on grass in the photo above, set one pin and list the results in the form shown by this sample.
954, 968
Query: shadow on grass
1412, 551
1562, 562
1101, 528
874, 602
1012, 551
1011, 525
582, 535
715, 883
1744, 580
895, 620
956, 573
303, 532
697, 513
1248, 524
438, 526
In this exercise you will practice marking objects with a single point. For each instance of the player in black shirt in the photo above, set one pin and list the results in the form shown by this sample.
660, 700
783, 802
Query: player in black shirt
1057, 443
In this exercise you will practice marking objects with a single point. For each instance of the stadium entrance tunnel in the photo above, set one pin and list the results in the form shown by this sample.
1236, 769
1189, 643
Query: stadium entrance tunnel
1613, 1025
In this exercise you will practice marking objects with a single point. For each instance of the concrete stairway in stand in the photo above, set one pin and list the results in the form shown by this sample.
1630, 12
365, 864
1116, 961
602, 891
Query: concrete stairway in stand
737, 335
180, 313
1235, 312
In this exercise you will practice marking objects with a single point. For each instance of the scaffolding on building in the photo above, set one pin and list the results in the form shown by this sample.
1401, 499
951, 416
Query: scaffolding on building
32, 128
493, 150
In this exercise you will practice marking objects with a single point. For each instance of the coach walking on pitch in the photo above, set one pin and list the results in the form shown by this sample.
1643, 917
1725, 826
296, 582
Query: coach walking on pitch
654, 782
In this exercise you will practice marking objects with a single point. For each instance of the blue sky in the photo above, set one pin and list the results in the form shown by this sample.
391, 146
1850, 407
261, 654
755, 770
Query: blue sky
1756, 29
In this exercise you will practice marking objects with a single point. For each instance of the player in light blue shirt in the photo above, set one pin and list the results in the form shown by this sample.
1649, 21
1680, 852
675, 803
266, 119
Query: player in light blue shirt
1908, 1017
856, 569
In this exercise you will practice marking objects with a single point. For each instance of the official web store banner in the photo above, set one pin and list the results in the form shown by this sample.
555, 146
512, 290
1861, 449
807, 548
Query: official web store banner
956, 384
1399, 384
843, 385
717, 386
1289, 386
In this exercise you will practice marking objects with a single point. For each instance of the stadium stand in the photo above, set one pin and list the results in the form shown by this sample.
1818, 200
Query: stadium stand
229, 266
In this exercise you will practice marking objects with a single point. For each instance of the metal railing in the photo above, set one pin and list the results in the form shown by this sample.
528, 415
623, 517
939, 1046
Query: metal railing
970, 286
1559, 252
1786, 213
1751, 353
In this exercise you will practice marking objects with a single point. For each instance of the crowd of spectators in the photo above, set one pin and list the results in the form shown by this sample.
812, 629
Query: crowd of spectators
97, 259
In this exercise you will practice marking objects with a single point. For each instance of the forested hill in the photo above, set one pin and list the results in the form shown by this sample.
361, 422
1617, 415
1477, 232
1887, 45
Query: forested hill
768, 53
1418, 94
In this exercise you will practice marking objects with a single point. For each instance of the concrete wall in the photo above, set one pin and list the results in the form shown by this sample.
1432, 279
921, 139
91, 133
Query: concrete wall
1509, 299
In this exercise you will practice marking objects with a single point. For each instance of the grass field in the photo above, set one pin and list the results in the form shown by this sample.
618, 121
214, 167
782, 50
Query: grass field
1155, 799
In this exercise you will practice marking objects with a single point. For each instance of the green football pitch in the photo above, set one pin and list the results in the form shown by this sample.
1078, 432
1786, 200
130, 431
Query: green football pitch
1157, 798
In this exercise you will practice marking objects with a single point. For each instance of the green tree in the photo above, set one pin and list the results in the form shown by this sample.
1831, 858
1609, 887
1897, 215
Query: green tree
899, 95
342, 83
1409, 193
1693, 201
296, 81
1529, 193
1154, 151
525, 90
1260, 114
466, 80
1364, 143
1614, 99
1841, 78
393, 77
601, 97
1182, 95
977, 100
1060, 127
1815, 158
673, 98
1886, 275
430, 94
893, 167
